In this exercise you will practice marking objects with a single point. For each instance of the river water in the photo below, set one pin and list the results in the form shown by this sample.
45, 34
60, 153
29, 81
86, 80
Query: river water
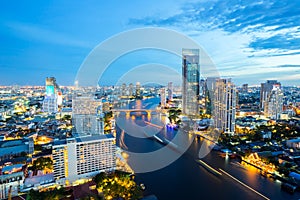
185, 179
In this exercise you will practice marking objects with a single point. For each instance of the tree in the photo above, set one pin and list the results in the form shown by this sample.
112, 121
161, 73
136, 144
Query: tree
54, 194
99, 178
174, 115
67, 117
42, 163
118, 186
107, 121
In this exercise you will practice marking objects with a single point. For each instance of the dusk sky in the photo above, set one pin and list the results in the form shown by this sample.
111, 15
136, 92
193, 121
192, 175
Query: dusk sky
250, 41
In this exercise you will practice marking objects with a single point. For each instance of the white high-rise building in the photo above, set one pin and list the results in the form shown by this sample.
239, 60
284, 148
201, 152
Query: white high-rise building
87, 116
163, 97
50, 104
130, 89
82, 158
224, 105
265, 91
170, 91
123, 91
274, 105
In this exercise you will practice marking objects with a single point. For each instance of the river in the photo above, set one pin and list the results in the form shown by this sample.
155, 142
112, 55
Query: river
185, 179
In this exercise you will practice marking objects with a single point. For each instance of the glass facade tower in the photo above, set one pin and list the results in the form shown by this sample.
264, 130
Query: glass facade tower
191, 78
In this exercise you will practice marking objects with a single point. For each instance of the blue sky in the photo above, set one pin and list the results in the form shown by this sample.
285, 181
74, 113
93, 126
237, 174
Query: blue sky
250, 41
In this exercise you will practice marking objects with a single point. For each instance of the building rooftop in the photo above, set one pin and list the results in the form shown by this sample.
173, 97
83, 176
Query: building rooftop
94, 137
12, 168
84, 139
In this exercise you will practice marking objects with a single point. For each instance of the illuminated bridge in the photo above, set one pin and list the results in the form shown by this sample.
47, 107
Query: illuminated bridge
128, 111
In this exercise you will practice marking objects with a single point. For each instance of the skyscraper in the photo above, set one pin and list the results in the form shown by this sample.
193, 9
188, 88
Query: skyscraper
245, 88
210, 86
138, 93
130, 89
87, 116
170, 91
274, 104
50, 104
224, 105
123, 90
163, 98
191, 78
265, 91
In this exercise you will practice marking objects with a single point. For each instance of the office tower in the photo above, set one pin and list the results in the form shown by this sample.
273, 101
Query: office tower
123, 90
245, 88
76, 85
87, 116
210, 84
138, 93
170, 91
191, 78
130, 89
202, 88
274, 104
82, 158
265, 91
224, 105
163, 98
50, 104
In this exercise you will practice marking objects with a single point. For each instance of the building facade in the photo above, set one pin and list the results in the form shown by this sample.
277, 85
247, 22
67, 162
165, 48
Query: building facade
10, 148
87, 116
265, 91
191, 78
163, 97
274, 104
50, 103
82, 158
138, 92
170, 91
224, 108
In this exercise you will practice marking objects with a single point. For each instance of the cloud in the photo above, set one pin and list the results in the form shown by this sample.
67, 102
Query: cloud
284, 66
242, 37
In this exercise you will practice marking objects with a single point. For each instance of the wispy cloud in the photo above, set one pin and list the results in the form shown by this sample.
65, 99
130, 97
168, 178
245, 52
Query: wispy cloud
242, 37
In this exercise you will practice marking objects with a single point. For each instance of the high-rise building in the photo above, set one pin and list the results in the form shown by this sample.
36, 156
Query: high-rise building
50, 104
210, 86
130, 89
87, 116
138, 93
191, 78
245, 88
265, 91
170, 91
274, 104
123, 90
202, 87
224, 105
82, 158
163, 98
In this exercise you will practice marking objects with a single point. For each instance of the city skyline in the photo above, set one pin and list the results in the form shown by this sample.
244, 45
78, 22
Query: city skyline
43, 39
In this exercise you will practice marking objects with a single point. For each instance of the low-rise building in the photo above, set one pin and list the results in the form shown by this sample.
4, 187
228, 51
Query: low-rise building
11, 179
11, 148
293, 143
